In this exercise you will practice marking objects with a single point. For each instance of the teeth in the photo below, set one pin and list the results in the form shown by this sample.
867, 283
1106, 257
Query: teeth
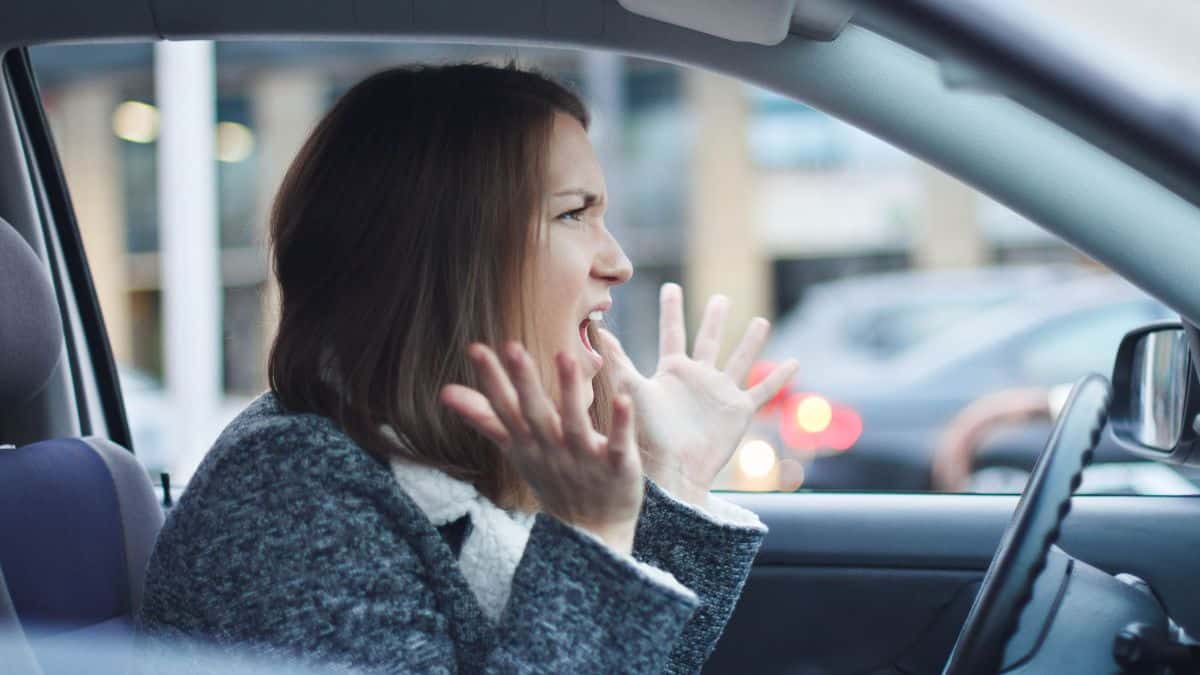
596, 316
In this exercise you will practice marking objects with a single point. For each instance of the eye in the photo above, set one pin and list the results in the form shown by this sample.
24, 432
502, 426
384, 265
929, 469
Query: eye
574, 215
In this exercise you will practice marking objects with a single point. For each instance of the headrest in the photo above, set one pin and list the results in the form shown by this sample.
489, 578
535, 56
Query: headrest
31, 336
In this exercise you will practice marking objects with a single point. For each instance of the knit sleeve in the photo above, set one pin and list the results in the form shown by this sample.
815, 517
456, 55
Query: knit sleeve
708, 550
578, 607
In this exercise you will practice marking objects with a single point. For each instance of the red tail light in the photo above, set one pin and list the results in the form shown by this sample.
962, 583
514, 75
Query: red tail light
809, 422
845, 429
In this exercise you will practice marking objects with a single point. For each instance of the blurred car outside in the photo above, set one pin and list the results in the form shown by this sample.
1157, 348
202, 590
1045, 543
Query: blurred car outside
854, 324
887, 361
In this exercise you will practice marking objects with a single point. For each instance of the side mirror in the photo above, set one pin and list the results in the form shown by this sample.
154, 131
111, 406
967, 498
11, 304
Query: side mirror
1155, 394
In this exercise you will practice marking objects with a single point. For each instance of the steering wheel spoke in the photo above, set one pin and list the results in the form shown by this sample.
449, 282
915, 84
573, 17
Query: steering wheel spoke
1008, 586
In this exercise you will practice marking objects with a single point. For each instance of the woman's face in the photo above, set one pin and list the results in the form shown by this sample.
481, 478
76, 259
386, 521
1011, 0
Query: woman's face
577, 260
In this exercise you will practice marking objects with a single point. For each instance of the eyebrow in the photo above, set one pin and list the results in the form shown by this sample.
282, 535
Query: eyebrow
589, 198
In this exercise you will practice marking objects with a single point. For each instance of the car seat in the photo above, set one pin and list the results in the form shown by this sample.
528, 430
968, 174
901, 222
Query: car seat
78, 516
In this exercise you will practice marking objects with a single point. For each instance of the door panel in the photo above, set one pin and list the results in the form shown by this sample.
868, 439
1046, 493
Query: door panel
796, 619
866, 583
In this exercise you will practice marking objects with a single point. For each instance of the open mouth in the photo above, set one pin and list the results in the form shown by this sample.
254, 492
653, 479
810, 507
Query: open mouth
587, 340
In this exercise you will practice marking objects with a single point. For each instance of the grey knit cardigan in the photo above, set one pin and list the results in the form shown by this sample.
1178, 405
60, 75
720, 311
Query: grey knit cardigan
291, 538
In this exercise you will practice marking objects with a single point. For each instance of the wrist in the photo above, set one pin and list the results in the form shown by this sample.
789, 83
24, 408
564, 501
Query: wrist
681, 489
671, 477
691, 494
618, 537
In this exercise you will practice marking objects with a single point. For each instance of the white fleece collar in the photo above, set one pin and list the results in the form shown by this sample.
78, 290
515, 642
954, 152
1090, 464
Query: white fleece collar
495, 542
497, 538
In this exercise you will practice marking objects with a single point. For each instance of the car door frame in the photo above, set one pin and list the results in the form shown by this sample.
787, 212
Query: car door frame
84, 398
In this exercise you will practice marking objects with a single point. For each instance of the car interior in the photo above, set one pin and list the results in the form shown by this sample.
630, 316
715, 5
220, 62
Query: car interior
846, 582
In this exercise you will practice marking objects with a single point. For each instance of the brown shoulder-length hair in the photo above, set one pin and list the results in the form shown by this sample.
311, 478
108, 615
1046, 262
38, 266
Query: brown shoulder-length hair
402, 232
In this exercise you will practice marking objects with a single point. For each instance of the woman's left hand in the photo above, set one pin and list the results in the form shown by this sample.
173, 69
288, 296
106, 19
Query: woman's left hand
690, 414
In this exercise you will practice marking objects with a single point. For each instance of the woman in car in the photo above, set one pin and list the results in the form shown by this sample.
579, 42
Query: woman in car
456, 469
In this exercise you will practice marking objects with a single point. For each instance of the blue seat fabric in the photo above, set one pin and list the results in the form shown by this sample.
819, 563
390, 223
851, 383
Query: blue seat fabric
61, 537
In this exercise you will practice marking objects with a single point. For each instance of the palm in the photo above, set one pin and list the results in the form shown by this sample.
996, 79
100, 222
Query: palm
690, 414
694, 408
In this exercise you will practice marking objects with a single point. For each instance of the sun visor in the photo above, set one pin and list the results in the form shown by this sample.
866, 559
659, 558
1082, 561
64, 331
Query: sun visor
764, 22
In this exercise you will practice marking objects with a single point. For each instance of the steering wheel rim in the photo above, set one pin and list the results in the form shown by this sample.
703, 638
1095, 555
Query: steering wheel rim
1008, 584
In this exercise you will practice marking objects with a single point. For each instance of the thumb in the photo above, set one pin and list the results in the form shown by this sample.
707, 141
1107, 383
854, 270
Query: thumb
610, 348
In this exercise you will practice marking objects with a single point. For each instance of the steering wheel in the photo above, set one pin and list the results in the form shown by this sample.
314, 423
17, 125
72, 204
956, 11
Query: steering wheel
1008, 585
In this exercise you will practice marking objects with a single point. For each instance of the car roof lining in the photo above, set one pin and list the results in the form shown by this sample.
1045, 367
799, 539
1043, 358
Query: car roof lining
1075, 190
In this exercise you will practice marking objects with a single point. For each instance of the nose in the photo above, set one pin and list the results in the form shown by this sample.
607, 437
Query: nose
611, 265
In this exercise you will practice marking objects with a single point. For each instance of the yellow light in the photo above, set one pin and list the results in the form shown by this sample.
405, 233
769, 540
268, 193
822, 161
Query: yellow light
235, 142
135, 122
814, 414
756, 458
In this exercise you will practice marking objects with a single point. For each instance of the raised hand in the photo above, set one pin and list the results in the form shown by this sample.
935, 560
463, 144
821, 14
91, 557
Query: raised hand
579, 475
691, 415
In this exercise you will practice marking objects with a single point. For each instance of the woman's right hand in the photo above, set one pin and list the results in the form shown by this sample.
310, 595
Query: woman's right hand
579, 475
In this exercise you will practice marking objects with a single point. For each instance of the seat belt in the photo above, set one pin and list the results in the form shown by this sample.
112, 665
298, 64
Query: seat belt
14, 646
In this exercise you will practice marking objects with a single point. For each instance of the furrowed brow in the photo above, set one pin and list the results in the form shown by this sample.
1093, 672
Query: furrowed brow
589, 198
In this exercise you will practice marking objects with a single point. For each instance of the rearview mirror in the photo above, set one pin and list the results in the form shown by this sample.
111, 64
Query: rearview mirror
1152, 405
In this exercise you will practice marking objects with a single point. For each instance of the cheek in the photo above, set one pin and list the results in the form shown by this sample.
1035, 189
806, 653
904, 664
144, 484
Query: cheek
562, 274
555, 296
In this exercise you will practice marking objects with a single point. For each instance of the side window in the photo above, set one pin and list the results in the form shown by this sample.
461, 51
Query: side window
898, 288
1081, 342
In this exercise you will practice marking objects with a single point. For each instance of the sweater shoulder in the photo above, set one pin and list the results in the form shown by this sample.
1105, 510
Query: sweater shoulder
273, 475
280, 499
268, 448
